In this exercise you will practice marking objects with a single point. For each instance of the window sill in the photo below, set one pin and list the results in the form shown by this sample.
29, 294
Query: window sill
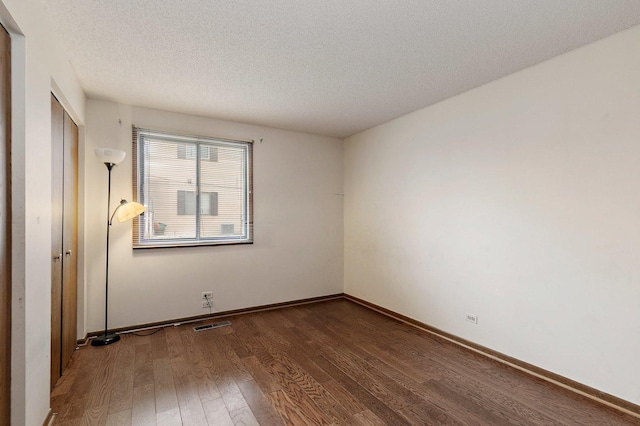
190, 244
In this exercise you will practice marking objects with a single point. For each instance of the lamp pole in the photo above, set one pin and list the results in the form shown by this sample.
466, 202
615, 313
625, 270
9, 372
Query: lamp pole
107, 338
126, 211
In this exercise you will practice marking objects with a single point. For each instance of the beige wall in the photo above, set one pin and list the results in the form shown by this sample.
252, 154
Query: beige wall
297, 214
39, 66
519, 202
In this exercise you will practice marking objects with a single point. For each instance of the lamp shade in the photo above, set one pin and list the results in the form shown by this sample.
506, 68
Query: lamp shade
129, 210
110, 156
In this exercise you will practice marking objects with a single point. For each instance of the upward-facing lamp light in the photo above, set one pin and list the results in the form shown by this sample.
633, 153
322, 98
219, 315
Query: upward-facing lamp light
123, 212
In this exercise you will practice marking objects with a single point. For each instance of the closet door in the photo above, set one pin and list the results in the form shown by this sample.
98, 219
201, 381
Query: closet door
57, 211
64, 265
5, 227
70, 242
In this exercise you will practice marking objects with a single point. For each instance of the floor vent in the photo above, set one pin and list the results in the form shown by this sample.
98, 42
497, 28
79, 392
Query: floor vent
212, 326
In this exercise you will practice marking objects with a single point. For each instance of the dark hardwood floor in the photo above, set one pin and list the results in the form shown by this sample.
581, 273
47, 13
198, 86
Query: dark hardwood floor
332, 362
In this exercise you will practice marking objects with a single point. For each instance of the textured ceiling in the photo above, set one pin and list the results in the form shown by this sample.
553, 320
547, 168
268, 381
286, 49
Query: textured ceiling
330, 67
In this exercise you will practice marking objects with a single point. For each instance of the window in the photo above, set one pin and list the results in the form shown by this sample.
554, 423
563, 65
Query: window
201, 196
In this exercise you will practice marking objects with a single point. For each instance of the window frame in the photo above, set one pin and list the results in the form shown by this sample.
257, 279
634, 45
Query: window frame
212, 143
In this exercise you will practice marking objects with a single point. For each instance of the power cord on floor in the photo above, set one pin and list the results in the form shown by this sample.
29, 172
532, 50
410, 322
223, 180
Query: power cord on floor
146, 334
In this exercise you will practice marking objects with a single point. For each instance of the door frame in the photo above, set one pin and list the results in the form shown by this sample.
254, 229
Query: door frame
5, 234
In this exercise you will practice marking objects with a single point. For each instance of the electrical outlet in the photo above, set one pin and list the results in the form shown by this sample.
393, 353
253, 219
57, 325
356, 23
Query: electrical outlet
473, 318
207, 299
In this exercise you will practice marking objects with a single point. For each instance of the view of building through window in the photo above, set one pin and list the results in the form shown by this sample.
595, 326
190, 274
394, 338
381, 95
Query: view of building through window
197, 190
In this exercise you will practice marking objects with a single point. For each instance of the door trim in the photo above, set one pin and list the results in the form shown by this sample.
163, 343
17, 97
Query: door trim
5, 230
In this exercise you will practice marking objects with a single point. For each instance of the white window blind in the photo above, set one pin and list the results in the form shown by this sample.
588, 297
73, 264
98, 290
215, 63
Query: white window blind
197, 190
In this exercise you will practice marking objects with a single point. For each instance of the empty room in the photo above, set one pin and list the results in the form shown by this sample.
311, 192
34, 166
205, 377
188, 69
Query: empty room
341, 213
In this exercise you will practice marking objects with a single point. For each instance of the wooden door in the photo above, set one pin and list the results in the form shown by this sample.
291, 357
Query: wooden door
5, 227
70, 242
57, 210
64, 240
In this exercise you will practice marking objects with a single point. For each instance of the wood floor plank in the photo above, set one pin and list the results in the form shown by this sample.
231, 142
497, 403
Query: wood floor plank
301, 371
217, 413
352, 404
102, 384
260, 374
484, 404
122, 391
297, 412
267, 334
432, 415
244, 417
164, 385
295, 389
302, 353
225, 372
94, 415
402, 372
332, 362
143, 364
120, 418
370, 401
241, 339
169, 418
226, 362
143, 410
158, 342
191, 411
384, 388
240, 372
492, 379
71, 406
392, 393
64, 386
367, 418
490, 405
231, 394
199, 366
263, 411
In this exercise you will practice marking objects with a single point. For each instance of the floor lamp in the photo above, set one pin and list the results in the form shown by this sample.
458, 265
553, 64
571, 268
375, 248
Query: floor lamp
123, 212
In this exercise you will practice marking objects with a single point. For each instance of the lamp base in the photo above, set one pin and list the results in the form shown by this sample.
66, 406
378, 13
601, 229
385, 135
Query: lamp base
105, 339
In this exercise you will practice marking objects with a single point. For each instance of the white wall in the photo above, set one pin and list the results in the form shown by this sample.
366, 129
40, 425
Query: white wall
518, 201
38, 67
297, 251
